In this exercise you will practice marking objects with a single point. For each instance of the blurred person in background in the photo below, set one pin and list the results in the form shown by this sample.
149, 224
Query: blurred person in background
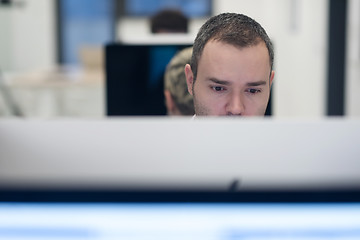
178, 101
169, 21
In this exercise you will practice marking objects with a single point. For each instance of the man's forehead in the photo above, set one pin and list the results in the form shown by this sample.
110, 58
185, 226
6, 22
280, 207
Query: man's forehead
211, 45
208, 69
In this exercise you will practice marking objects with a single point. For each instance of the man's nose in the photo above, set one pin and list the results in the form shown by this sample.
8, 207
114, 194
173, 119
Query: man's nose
235, 105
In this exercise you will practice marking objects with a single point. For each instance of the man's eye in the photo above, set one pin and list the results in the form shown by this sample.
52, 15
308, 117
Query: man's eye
218, 89
253, 90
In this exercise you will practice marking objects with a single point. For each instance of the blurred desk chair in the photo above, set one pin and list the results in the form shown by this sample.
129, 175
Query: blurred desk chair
8, 100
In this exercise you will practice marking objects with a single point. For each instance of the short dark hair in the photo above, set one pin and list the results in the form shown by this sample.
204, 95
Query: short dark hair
169, 20
232, 28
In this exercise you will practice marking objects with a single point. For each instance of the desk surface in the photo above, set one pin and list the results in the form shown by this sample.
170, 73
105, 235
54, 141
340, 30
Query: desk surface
59, 77
65, 91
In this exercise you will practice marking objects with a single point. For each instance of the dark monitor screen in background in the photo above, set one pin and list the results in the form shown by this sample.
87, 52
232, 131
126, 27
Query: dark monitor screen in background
135, 78
147, 8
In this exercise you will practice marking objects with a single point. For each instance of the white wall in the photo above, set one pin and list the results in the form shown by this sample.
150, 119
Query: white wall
352, 86
5, 40
28, 32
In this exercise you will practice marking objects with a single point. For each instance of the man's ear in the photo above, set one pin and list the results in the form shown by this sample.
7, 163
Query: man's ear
189, 78
271, 77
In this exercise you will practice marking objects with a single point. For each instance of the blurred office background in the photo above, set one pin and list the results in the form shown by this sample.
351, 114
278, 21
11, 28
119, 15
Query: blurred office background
52, 52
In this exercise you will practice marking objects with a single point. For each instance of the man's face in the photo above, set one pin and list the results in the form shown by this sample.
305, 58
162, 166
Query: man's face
231, 81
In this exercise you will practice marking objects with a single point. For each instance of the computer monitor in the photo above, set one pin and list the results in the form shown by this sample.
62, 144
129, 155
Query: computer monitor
128, 179
180, 153
135, 78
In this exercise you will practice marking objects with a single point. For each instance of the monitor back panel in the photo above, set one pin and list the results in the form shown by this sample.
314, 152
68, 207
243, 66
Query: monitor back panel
135, 78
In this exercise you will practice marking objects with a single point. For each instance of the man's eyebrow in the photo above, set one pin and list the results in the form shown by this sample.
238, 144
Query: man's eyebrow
249, 84
218, 81
255, 84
